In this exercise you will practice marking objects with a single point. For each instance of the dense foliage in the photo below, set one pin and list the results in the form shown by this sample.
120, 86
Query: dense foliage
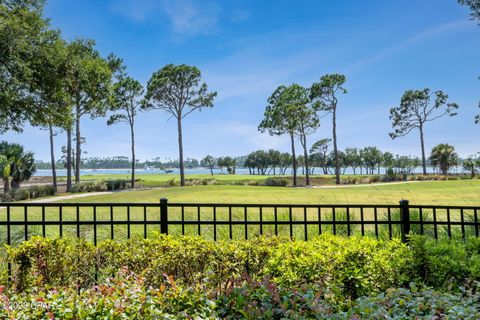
16, 165
327, 277
28, 193
100, 185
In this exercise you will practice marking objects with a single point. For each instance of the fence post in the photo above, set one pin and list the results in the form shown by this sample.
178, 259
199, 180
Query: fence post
164, 216
405, 219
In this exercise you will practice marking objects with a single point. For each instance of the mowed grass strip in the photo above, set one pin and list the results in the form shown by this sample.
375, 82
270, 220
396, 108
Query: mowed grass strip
455, 192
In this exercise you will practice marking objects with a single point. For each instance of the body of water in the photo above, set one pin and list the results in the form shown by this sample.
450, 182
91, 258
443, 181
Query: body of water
83, 172
63, 172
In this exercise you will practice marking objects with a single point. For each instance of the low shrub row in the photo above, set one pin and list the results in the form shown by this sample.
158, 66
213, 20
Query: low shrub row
100, 185
326, 277
352, 267
28, 193
391, 177
275, 182
128, 297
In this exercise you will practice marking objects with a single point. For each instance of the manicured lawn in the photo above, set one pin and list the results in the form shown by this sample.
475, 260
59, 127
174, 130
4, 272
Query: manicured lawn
455, 192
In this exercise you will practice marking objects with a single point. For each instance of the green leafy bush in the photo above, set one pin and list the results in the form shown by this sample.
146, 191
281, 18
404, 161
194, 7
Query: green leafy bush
100, 186
425, 303
172, 183
275, 182
90, 186
42, 191
351, 180
20, 194
124, 297
127, 296
116, 184
330, 277
350, 266
445, 263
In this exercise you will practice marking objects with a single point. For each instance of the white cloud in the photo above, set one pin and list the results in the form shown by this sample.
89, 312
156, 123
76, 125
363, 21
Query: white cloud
190, 18
186, 17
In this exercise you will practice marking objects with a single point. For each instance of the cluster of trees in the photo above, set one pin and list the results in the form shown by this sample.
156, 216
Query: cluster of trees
16, 165
368, 160
260, 161
472, 165
230, 163
295, 111
47, 81
53, 83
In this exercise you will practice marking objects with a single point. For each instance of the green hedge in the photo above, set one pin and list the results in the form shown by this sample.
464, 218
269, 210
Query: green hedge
352, 267
329, 276
28, 193
127, 296
100, 186
275, 182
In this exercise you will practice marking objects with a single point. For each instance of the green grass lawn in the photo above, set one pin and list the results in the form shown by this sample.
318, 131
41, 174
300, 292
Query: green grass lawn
454, 192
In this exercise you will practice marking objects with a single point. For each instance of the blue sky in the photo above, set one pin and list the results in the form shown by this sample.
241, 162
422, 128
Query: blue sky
245, 49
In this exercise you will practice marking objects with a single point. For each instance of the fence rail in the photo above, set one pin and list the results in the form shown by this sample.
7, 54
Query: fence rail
100, 221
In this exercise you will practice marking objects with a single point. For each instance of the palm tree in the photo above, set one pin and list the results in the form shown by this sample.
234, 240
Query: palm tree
22, 169
17, 164
5, 173
443, 156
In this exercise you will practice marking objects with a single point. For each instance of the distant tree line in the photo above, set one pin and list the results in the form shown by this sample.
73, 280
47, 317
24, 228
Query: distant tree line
368, 160
121, 162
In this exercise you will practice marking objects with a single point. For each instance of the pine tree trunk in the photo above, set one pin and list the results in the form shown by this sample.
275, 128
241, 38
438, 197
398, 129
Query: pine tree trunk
180, 150
69, 160
424, 161
335, 150
78, 142
294, 160
305, 155
132, 132
6, 185
52, 159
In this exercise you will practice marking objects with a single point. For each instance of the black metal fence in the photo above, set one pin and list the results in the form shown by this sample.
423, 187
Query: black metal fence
100, 221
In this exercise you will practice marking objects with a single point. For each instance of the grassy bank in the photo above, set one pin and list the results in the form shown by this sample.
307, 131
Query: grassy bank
456, 192
160, 180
